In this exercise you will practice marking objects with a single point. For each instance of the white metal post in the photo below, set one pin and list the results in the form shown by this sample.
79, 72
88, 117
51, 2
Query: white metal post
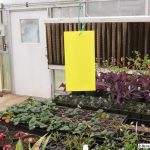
146, 7
10, 50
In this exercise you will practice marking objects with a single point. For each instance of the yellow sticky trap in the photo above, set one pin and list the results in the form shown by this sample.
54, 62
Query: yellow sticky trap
80, 60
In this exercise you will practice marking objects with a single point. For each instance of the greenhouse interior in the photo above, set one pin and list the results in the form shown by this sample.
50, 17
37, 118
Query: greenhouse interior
74, 74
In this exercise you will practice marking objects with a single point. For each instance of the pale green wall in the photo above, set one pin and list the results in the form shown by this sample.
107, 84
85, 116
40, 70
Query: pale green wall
4, 62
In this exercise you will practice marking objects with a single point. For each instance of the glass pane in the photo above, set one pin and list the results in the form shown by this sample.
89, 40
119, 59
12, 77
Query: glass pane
104, 8
132, 8
116, 8
29, 30
67, 12
59, 79
56, 12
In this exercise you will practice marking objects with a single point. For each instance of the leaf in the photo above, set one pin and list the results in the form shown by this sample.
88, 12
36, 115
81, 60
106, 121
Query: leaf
37, 145
30, 147
64, 128
42, 125
19, 145
130, 59
16, 121
50, 128
32, 123
46, 142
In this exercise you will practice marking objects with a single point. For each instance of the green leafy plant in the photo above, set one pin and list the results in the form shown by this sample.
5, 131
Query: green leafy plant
77, 142
41, 143
75, 112
126, 141
44, 114
129, 140
101, 114
108, 145
55, 123
81, 128
55, 136
137, 62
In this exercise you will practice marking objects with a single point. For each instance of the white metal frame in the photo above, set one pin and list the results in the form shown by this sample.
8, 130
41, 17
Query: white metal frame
100, 19
90, 19
57, 3
21, 7
52, 70
33, 7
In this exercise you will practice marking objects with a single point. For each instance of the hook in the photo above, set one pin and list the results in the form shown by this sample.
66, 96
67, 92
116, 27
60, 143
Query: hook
27, 4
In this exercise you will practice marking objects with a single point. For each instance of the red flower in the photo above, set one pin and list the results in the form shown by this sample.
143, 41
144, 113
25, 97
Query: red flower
7, 147
20, 134
2, 136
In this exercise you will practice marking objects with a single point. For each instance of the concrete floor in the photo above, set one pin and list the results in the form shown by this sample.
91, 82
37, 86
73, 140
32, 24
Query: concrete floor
9, 100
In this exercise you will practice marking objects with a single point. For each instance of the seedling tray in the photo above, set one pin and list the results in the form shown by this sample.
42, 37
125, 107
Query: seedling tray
24, 128
140, 122
142, 125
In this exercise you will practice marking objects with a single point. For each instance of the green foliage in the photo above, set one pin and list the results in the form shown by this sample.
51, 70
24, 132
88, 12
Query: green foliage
76, 111
117, 69
77, 142
36, 113
137, 62
19, 145
55, 123
81, 128
41, 143
125, 141
45, 114
65, 128
55, 136
101, 114
128, 141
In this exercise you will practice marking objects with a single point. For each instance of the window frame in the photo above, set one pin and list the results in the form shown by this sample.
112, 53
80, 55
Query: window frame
21, 38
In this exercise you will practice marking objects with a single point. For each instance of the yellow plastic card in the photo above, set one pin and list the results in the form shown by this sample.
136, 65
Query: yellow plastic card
80, 60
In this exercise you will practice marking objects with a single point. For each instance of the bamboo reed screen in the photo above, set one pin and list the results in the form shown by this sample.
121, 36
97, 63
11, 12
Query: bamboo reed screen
112, 40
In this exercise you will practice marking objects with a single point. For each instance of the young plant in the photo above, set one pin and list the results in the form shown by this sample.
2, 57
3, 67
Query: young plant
40, 144
55, 136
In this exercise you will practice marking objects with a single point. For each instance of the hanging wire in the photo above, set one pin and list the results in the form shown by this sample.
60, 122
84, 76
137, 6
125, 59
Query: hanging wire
81, 25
